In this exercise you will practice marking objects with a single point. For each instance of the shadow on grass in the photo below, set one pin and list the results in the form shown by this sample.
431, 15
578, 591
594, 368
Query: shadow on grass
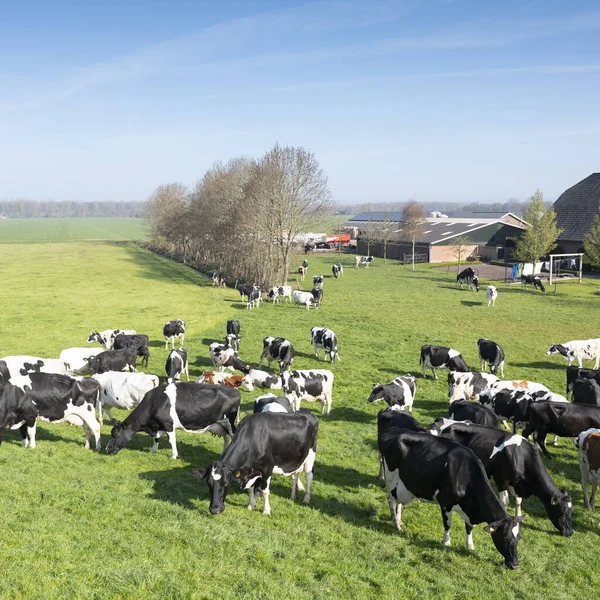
401, 372
471, 303
540, 364
350, 414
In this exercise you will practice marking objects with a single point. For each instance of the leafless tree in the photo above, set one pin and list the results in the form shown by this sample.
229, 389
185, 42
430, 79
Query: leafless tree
384, 233
369, 234
413, 219
460, 247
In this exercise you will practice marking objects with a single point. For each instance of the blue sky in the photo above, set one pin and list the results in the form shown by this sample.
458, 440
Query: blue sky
448, 100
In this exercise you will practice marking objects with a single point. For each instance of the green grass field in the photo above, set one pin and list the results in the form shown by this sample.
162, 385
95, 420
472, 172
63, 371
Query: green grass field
136, 525
65, 230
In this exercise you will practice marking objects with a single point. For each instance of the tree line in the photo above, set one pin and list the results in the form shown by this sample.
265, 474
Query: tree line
26, 209
242, 218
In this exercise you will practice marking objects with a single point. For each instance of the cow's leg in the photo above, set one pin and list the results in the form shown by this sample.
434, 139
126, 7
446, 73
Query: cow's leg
434, 373
109, 415
381, 473
187, 373
503, 497
540, 438
505, 424
584, 477
317, 351
251, 498
329, 400
447, 519
31, 433
395, 511
173, 442
266, 491
294, 485
23, 432
424, 371
555, 442
156, 438
469, 530
593, 498
502, 369
518, 502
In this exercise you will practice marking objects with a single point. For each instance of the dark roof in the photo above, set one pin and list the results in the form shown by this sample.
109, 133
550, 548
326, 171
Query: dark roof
440, 230
576, 208
377, 216
479, 215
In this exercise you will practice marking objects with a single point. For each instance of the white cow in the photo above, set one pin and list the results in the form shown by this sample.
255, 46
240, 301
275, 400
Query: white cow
579, 350
21, 365
466, 386
305, 298
283, 291
122, 390
75, 359
492, 293
261, 379
588, 443
518, 384
311, 385
107, 337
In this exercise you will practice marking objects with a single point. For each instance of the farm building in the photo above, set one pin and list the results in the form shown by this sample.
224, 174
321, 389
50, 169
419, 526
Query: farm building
575, 210
492, 236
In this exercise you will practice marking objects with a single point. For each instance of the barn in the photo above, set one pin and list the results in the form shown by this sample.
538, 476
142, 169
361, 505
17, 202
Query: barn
492, 236
575, 210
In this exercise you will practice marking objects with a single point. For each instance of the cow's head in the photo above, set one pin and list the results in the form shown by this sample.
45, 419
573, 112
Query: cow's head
94, 336
560, 510
119, 436
505, 534
560, 349
376, 393
247, 383
476, 282
218, 477
537, 282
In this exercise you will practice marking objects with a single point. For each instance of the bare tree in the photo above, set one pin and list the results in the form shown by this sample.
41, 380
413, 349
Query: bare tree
460, 247
369, 233
413, 219
384, 233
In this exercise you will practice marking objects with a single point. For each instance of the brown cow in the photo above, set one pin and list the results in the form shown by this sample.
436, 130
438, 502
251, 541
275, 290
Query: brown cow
589, 463
216, 378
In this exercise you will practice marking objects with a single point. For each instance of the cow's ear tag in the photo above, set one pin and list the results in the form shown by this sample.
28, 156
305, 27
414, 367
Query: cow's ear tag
237, 475
489, 529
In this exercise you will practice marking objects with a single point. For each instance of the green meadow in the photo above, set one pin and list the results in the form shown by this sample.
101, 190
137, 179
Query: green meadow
77, 524
64, 230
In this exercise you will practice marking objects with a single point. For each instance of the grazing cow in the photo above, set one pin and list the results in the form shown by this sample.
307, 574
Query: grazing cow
562, 419
491, 293
311, 385
302, 272
318, 281
75, 359
465, 386
261, 379
174, 329
579, 350
338, 270
321, 337
462, 410
254, 298
491, 353
21, 365
441, 357
283, 291
588, 443
399, 393
468, 276
574, 373
193, 407
265, 444
122, 390
140, 342
279, 349
272, 403
586, 391
225, 357
57, 398
246, 290
305, 298
113, 360
221, 378
317, 295
419, 465
177, 363
107, 337
515, 465
362, 260
534, 281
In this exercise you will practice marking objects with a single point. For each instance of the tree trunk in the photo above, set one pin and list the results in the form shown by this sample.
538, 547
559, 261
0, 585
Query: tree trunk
285, 266
413, 255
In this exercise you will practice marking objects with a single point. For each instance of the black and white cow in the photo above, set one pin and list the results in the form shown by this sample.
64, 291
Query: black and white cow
574, 373
321, 337
491, 353
233, 327
4, 372
317, 294
261, 379
468, 276
264, 445
441, 357
399, 393
362, 260
192, 407
318, 281
419, 465
140, 342
174, 329
254, 299
586, 391
57, 398
107, 337
462, 410
534, 281
466, 386
578, 350
122, 390
562, 419
177, 363
283, 291
272, 403
75, 359
515, 465
114, 360
311, 385
21, 365
304, 263
305, 298
338, 270
246, 290
225, 357
279, 349
302, 273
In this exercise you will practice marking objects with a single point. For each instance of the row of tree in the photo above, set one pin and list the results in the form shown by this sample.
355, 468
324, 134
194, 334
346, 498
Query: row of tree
242, 218
25, 209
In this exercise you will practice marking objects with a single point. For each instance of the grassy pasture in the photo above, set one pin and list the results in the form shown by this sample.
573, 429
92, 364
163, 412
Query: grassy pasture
64, 230
77, 524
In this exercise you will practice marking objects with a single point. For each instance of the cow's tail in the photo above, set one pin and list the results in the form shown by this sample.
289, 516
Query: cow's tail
422, 359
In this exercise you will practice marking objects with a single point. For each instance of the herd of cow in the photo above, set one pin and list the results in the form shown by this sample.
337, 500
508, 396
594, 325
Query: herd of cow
451, 461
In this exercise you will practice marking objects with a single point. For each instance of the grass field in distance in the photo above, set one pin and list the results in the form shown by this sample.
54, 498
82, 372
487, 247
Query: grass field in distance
136, 525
